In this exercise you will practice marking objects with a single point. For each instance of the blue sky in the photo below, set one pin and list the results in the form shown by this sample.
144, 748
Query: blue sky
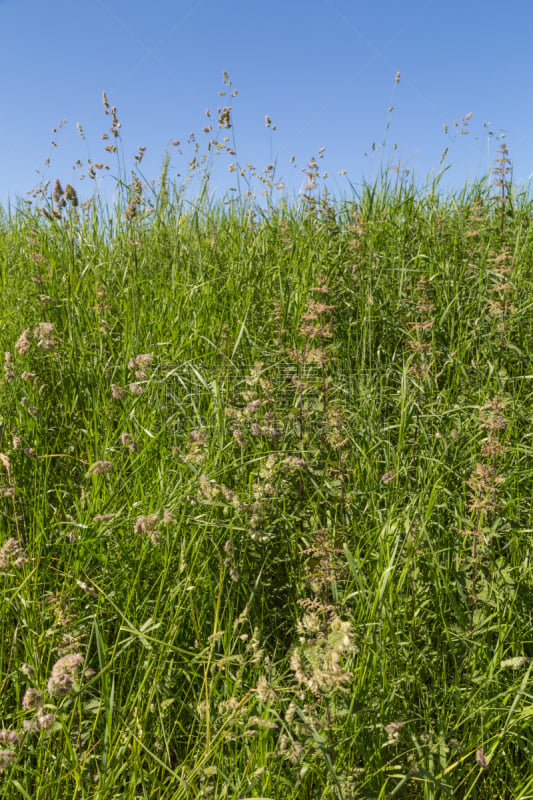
322, 70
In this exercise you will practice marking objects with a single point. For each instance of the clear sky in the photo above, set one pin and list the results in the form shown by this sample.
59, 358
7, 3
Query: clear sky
322, 70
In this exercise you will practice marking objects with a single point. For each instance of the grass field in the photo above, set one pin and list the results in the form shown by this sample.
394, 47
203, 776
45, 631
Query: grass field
265, 479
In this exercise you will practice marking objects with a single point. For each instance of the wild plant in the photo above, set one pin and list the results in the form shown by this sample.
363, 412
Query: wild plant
503, 182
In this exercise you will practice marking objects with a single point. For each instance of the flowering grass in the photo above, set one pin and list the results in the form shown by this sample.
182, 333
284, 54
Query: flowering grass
265, 484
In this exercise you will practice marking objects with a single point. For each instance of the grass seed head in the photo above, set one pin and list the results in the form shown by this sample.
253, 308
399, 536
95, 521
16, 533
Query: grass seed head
12, 555
44, 333
23, 343
44, 719
9, 737
117, 392
6, 758
32, 699
71, 196
100, 468
61, 681
57, 193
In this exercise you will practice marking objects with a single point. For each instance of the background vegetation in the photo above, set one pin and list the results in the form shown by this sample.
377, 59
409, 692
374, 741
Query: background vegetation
265, 492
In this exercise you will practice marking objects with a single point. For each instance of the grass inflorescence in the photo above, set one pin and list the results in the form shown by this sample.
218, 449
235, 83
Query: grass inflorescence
265, 483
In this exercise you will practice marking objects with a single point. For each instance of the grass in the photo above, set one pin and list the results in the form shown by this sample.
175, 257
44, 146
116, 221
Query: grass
265, 494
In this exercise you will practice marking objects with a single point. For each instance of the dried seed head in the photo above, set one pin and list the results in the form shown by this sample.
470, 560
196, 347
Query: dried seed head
208, 489
484, 478
23, 343
61, 680
44, 333
491, 447
196, 450
60, 685
9, 737
293, 462
229, 548
393, 732
57, 192
239, 438
100, 468
265, 692
117, 392
224, 117
87, 589
514, 663
71, 196
6, 757
146, 524
32, 699
44, 720
68, 664
12, 555
168, 517
131, 209
28, 671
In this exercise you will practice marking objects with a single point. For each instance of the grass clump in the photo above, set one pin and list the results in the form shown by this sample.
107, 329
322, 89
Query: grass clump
264, 483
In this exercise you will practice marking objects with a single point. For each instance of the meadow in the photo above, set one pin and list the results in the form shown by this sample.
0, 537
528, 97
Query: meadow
265, 486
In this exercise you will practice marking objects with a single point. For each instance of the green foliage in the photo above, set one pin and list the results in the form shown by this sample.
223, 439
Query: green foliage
266, 481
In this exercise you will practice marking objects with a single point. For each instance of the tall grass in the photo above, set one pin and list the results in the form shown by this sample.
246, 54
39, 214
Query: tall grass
265, 494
